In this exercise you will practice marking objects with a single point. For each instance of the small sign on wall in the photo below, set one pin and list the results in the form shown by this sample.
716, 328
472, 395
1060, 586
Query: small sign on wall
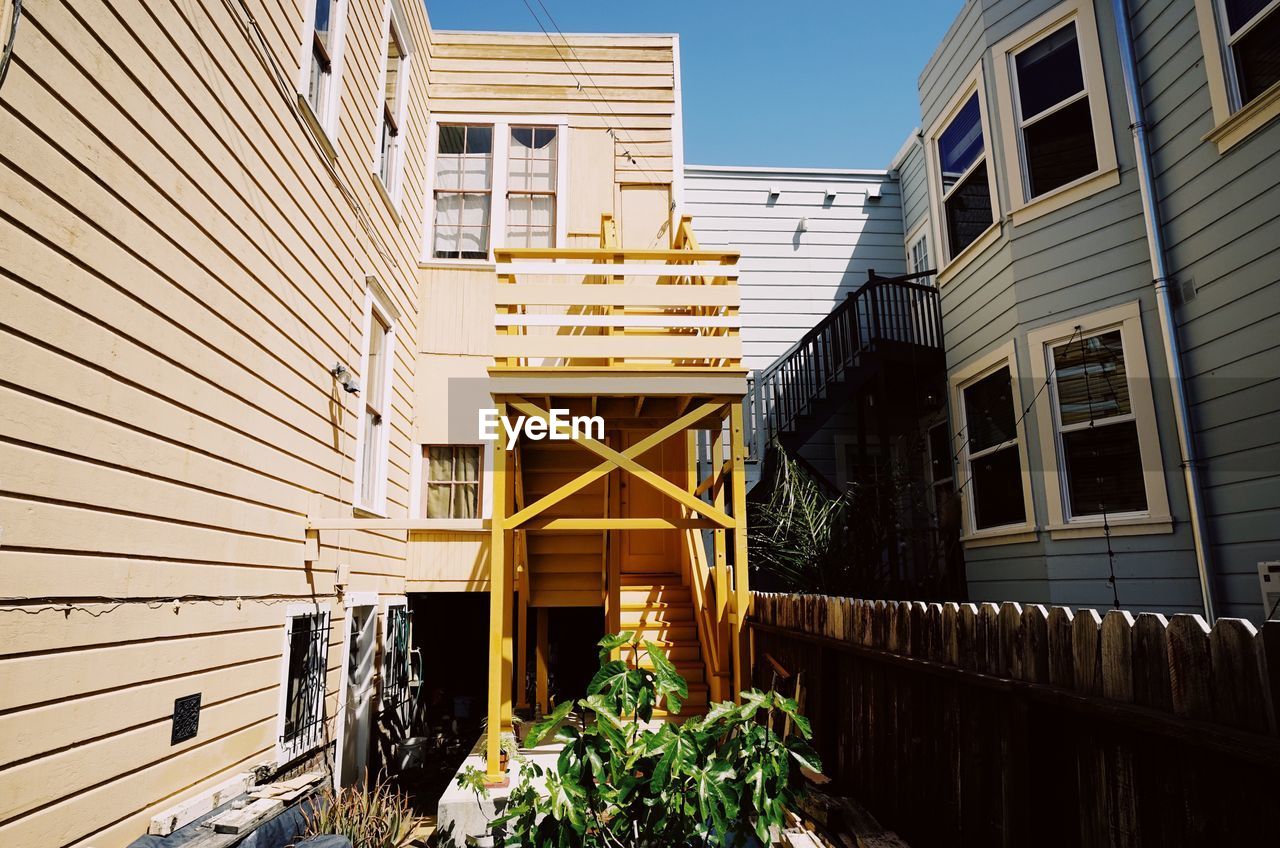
186, 718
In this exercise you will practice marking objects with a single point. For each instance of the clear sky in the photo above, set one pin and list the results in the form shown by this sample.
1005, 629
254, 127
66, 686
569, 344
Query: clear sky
803, 83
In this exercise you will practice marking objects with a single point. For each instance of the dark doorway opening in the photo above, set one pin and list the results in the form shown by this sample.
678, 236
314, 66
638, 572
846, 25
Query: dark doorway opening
572, 634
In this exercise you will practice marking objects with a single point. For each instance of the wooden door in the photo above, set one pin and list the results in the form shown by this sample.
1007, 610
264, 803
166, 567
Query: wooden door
648, 551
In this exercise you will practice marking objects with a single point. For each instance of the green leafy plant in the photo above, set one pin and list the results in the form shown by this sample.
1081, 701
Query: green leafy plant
379, 817
621, 780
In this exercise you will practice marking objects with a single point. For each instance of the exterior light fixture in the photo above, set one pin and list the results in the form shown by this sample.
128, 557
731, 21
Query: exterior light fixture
344, 376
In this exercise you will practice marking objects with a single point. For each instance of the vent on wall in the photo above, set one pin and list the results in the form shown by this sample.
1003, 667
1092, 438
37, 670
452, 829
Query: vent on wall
186, 718
1269, 581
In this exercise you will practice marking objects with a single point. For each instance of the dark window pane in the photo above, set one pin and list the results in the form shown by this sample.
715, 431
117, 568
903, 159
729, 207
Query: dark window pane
1049, 71
968, 210
1104, 469
1090, 378
1257, 58
324, 9
522, 136
960, 143
1059, 148
988, 411
479, 139
997, 489
451, 139
1240, 12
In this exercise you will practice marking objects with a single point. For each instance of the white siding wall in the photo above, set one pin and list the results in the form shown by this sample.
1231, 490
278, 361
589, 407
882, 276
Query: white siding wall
791, 280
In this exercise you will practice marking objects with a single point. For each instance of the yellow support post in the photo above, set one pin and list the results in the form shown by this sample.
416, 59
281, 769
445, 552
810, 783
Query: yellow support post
522, 643
742, 589
494, 775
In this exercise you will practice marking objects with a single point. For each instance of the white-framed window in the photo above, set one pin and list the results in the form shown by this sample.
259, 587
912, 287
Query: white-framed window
918, 251
454, 481
1098, 418
377, 370
1054, 115
1241, 41
495, 183
398, 670
1250, 33
942, 483
303, 681
323, 43
995, 483
962, 184
397, 63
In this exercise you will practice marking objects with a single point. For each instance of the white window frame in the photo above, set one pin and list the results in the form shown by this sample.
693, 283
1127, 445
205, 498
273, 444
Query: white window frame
947, 265
292, 750
1233, 123
925, 232
1156, 518
393, 17
376, 303
498, 187
1004, 356
1023, 207
327, 119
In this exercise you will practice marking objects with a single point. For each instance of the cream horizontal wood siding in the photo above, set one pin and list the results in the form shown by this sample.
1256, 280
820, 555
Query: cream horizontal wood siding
184, 261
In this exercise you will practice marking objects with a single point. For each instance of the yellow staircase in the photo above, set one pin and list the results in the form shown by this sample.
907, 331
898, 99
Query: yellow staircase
660, 609
565, 569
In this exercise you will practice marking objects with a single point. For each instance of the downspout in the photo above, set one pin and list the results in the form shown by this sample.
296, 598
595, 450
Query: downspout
1164, 303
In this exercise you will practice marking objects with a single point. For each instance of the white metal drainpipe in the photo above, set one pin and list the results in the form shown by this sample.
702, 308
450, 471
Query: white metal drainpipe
1172, 352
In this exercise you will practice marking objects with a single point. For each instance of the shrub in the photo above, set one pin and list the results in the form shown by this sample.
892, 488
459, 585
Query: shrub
379, 817
712, 780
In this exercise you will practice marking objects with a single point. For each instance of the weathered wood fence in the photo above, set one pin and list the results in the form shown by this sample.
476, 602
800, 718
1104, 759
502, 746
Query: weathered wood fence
1016, 725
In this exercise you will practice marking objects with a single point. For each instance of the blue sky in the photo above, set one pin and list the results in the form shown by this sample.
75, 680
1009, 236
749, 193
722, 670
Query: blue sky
805, 83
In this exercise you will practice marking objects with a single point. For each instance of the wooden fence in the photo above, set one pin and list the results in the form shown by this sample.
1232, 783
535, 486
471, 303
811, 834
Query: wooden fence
1016, 725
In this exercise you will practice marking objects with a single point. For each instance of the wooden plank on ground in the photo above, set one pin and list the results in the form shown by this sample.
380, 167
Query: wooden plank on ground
247, 817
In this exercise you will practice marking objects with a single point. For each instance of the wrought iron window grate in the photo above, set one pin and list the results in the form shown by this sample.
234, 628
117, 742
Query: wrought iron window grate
396, 670
304, 696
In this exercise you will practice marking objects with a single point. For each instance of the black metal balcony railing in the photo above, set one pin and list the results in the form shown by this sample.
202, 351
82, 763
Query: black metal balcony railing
886, 312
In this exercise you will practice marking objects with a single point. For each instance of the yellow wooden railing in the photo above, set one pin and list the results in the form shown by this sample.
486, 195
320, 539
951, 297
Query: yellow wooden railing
673, 308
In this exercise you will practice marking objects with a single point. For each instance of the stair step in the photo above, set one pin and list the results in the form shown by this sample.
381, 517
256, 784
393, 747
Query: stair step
692, 672
541, 564
661, 610
683, 634
657, 578
678, 654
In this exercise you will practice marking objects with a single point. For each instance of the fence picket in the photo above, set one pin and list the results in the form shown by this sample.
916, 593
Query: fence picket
1237, 686
1035, 644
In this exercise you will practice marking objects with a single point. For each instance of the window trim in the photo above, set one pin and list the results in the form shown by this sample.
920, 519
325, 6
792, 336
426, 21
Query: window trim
377, 303
393, 16
327, 121
1107, 174
418, 475
287, 752
481, 499
946, 265
921, 230
1127, 318
498, 187
1001, 357
1231, 125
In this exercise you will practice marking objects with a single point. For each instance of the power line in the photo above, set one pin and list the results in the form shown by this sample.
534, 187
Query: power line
591, 102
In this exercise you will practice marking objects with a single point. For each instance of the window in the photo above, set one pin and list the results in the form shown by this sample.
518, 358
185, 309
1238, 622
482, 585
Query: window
496, 178
941, 474
966, 191
919, 255
1241, 41
463, 191
962, 187
1251, 39
395, 93
995, 467
306, 651
1099, 420
372, 440
531, 187
322, 59
1054, 112
453, 481
397, 661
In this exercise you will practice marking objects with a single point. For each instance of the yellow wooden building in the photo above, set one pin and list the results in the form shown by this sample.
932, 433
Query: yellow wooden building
247, 252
